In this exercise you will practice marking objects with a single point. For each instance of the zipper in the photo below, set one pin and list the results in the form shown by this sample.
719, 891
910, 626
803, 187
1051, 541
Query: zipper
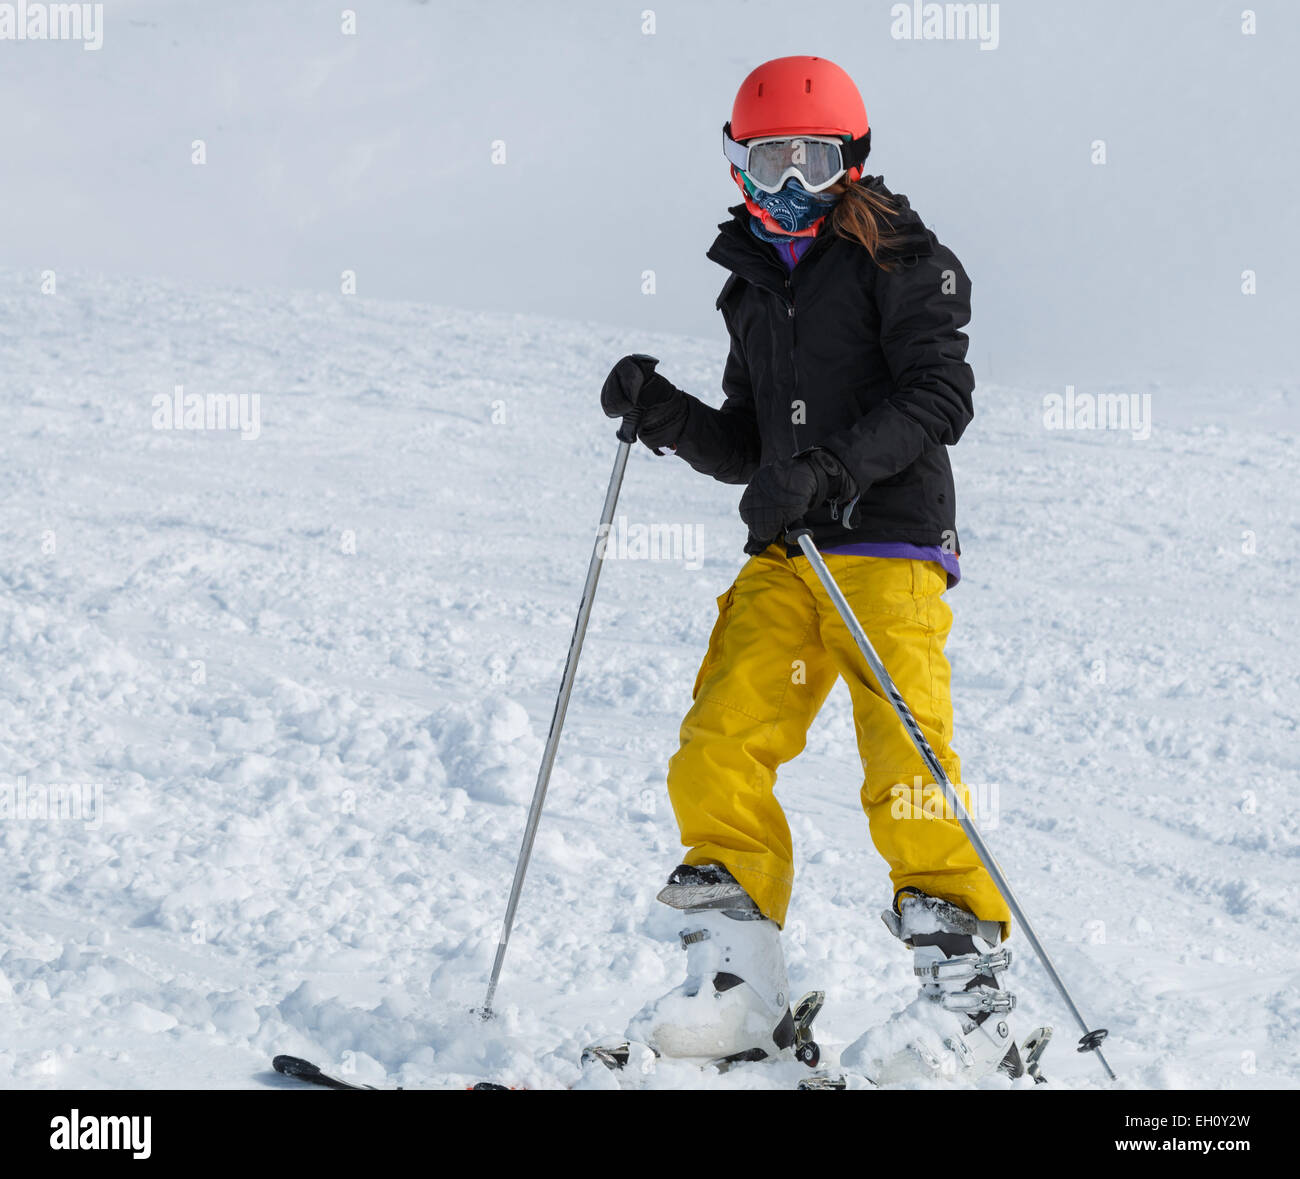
849, 508
794, 365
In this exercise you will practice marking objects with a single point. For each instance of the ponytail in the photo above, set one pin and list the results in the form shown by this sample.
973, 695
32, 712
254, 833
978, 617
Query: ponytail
863, 215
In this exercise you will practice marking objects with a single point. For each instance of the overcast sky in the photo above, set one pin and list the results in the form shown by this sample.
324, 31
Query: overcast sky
374, 152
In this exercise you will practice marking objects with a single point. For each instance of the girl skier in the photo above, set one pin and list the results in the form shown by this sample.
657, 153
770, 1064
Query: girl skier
846, 381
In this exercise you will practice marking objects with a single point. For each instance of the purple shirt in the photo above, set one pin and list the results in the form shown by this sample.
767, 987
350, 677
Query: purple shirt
792, 249
909, 552
790, 252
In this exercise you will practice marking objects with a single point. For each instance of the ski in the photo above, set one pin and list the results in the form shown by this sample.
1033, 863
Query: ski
806, 1050
304, 1070
833, 1081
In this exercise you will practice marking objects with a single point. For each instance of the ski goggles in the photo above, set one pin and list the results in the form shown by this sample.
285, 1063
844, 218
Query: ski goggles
818, 161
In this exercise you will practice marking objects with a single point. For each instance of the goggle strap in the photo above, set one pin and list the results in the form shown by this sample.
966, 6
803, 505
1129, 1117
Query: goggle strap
735, 151
855, 152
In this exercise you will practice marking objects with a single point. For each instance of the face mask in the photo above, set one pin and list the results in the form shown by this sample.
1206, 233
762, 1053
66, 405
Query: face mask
794, 208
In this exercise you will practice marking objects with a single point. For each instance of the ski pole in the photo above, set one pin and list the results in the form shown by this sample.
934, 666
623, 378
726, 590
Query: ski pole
1091, 1040
626, 436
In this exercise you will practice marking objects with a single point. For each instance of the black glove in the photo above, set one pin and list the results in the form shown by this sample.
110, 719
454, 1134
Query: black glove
654, 406
782, 493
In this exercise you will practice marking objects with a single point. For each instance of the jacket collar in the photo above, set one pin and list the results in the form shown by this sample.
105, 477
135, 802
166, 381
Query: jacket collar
737, 249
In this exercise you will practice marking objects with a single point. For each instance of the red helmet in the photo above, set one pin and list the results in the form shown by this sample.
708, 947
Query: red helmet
798, 96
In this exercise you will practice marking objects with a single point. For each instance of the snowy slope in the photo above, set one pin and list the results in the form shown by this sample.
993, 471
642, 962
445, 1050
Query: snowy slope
315, 762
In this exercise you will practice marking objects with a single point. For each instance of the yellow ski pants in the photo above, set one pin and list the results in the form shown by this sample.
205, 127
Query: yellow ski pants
773, 657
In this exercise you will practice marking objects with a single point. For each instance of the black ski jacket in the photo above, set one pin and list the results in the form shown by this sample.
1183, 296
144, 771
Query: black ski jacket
866, 362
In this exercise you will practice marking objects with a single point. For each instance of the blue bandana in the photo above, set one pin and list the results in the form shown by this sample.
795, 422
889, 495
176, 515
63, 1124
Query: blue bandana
793, 208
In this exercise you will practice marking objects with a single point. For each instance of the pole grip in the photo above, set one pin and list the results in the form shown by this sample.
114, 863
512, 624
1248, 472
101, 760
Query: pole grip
627, 427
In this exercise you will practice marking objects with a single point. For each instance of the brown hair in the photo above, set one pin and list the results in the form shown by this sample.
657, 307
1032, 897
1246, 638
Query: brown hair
863, 215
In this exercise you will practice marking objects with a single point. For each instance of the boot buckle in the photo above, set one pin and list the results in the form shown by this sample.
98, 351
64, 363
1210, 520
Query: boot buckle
978, 1002
966, 965
690, 936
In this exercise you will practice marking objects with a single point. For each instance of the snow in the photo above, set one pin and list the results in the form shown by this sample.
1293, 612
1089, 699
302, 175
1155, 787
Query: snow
298, 686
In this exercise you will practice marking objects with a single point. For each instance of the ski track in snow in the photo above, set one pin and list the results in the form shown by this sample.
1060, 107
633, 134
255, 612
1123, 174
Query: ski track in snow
307, 848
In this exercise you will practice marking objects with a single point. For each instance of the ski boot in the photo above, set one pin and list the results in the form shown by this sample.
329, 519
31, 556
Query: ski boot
956, 1028
735, 1002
